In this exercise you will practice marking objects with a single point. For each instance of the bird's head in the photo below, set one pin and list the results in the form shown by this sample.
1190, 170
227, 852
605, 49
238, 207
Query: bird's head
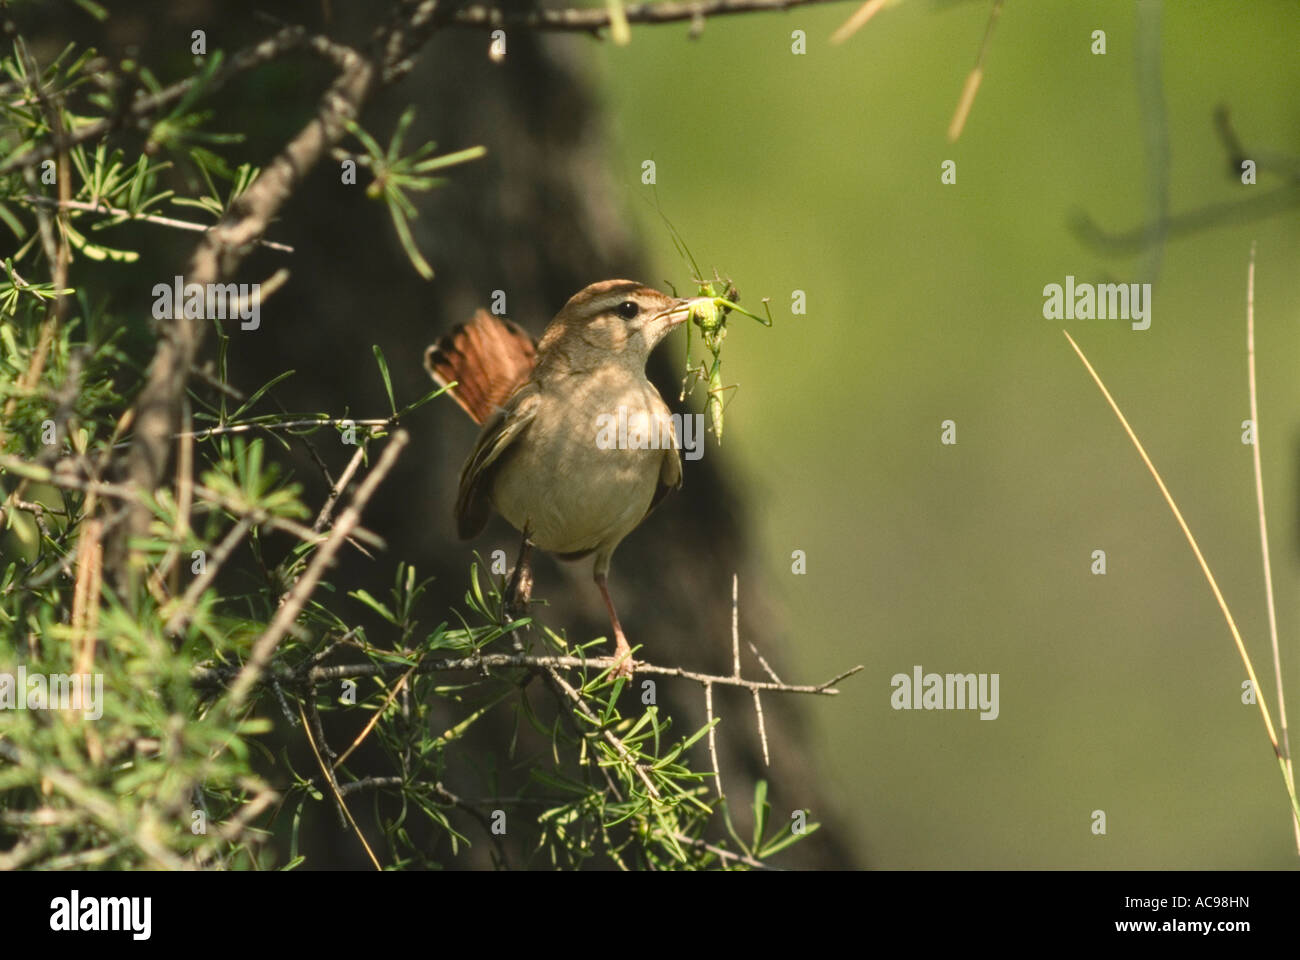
618, 317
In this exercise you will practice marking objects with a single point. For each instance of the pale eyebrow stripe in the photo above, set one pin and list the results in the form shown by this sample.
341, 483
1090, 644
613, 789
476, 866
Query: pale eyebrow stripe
610, 300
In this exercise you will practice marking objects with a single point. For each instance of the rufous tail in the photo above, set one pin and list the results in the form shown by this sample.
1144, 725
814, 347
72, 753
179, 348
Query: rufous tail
487, 358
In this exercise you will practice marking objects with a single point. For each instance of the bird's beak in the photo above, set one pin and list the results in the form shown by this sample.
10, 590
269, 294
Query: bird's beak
679, 311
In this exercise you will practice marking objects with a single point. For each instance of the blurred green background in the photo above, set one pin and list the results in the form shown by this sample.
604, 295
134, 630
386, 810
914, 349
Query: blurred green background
821, 172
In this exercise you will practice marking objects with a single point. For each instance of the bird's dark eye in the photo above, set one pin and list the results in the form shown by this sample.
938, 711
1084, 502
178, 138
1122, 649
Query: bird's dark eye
628, 309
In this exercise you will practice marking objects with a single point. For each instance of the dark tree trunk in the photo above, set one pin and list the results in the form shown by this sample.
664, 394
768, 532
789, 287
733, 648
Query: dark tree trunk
540, 217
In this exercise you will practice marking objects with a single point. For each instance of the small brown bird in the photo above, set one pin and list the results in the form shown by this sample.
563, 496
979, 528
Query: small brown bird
544, 459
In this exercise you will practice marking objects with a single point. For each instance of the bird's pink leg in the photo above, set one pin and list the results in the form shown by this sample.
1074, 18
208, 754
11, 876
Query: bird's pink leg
622, 652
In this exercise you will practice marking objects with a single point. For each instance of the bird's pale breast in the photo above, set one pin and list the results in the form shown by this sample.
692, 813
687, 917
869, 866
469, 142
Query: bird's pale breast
564, 480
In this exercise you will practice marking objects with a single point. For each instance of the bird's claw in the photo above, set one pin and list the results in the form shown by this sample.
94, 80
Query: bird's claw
624, 664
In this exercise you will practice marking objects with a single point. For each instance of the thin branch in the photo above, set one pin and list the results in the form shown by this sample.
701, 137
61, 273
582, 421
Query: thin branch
1257, 458
590, 20
735, 654
762, 727
857, 21
85, 604
973, 79
375, 717
824, 688
619, 747
177, 621
370, 783
307, 705
262, 518
37, 510
762, 660
250, 426
165, 571
1205, 569
1260, 205
60, 477
713, 744
104, 207
735, 625
507, 660
306, 585
64, 479
145, 106
284, 425
336, 491
721, 853
551, 677
329, 777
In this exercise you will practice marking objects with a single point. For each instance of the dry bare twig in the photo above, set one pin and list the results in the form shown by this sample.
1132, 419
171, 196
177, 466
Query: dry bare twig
590, 20
508, 660
348, 521
1257, 458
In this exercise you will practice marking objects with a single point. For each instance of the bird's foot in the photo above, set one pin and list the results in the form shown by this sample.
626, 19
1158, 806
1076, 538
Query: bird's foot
519, 592
519, 589
623, 659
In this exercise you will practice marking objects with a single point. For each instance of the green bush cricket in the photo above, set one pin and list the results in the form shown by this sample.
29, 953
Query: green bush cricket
708, 311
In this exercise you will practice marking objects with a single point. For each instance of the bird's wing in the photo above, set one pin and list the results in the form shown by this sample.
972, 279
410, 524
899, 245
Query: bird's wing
487, 358
670, 476
501, 430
